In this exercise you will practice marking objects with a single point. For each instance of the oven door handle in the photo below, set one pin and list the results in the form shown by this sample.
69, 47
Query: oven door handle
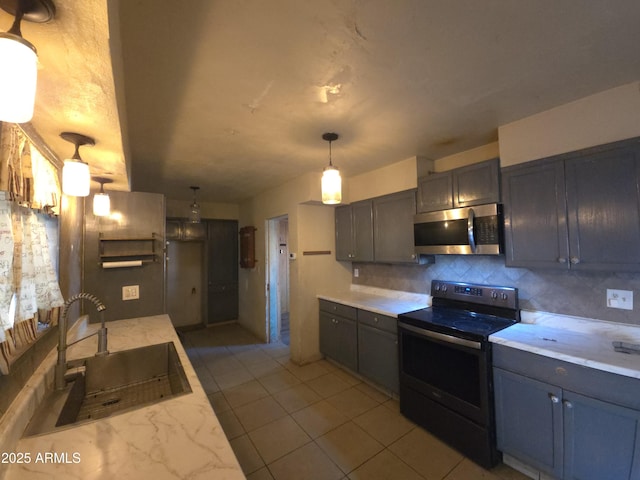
442, 336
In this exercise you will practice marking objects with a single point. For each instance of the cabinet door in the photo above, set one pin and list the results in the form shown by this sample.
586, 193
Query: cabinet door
339, 339
222, 270
603, 200
535, 223
344, 233
529, 421
393, 227
477, 184
378, 356
600, 440
362, 227
435, 192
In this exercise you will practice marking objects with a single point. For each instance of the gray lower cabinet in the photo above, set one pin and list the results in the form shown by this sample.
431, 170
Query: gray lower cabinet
579, 210
378, 349
363, 341
339, 333
561, 432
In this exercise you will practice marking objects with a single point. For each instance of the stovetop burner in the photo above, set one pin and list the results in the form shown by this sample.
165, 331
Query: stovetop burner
466, 310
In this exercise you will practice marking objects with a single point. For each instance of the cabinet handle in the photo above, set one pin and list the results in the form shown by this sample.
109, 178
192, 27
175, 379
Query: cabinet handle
568, 404
413, 256
562, 260
574, 260
375, 319
554, 398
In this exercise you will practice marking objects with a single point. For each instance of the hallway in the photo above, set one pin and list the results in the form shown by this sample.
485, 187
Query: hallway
315, 421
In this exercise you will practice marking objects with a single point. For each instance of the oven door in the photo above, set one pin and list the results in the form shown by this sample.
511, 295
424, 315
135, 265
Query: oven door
451, 371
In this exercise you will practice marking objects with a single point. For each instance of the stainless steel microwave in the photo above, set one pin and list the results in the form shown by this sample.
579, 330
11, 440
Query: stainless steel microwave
475, 230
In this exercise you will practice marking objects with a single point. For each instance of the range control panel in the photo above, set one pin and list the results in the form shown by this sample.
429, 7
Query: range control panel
475, 293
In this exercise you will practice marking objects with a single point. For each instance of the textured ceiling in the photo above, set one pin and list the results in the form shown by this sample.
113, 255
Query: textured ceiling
234, 95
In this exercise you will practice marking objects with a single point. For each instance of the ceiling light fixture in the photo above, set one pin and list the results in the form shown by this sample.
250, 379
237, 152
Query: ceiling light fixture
101, 200
331, 181
19, 60
194, 212
76, 179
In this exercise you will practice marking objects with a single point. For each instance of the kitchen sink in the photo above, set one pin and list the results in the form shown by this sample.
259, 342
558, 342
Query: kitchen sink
111, 384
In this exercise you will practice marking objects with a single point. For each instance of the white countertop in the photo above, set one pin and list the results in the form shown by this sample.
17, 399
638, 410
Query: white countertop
379, 300
577, 340
173, 439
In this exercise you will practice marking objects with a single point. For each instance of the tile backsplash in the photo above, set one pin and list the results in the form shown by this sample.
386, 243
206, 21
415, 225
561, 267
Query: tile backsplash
581, 294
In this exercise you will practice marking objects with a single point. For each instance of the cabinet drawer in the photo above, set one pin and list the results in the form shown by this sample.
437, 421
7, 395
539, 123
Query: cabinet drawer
606, 386
338, 309
383, 322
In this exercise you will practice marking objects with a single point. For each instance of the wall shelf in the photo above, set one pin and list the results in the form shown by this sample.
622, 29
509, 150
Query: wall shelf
128, 248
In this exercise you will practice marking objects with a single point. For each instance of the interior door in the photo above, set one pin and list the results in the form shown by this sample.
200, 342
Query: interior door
222, 270
184, 282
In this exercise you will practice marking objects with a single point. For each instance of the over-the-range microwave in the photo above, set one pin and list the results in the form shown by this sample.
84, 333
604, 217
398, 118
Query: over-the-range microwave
473, 230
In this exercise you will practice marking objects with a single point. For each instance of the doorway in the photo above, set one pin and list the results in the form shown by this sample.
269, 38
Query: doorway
277, 279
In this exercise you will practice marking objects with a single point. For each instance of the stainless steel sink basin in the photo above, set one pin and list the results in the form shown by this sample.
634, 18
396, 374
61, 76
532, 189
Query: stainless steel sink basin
111, 384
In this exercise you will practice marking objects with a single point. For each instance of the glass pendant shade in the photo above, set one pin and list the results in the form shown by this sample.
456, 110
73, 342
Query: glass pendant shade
101, 204
76, 179
19, 66
331, 186
194, 208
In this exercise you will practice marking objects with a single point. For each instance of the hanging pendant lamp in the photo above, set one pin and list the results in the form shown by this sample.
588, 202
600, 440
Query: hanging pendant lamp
194, 208
76, 179
101, 200
331, 180
19, 60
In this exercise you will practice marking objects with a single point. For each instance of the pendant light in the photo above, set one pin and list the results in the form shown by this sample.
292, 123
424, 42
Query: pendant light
76, 179
101, 200
194, 211
19, 60
331, 181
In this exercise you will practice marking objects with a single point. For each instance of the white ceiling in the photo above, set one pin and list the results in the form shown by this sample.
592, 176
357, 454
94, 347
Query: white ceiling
234, 95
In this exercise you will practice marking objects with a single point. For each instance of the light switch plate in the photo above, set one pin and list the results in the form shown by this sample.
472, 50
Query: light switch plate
620, 299
131, 292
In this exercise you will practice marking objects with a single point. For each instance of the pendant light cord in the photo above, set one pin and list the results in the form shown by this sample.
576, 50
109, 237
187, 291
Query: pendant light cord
330, 164
15, 28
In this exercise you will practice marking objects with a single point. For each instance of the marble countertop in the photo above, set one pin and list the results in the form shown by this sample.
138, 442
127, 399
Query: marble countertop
379, 300
576, 340
173, 439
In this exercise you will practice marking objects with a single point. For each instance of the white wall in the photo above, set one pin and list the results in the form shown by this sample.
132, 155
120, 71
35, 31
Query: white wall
601, 118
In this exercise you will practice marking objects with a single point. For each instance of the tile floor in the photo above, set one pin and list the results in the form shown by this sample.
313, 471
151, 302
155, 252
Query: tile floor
315, 421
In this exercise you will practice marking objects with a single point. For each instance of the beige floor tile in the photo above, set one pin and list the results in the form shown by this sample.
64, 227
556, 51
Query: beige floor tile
308, 463
328, 385
296, 398
349, 446
352, 402
467, 470
207, 380
426, 454
278, 438
256, 414
384, 425
246, 453
307, 372
279, 381
227, 364
385, 466
230, 424
319, 418
245, 393
374, 393
262, 474
393, 405
219, 403
265, 368
252, 356
276, 349
233, 379
347, 377
505, 472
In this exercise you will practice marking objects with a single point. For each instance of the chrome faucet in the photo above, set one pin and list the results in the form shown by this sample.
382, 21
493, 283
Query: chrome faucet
63, 325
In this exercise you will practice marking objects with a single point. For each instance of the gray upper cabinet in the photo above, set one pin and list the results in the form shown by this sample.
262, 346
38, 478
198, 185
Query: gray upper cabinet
354, 232
579, 210
475, 184
393, 228
435, 192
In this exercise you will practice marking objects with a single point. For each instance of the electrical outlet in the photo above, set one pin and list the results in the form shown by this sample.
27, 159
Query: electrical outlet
620, 299
131, 292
